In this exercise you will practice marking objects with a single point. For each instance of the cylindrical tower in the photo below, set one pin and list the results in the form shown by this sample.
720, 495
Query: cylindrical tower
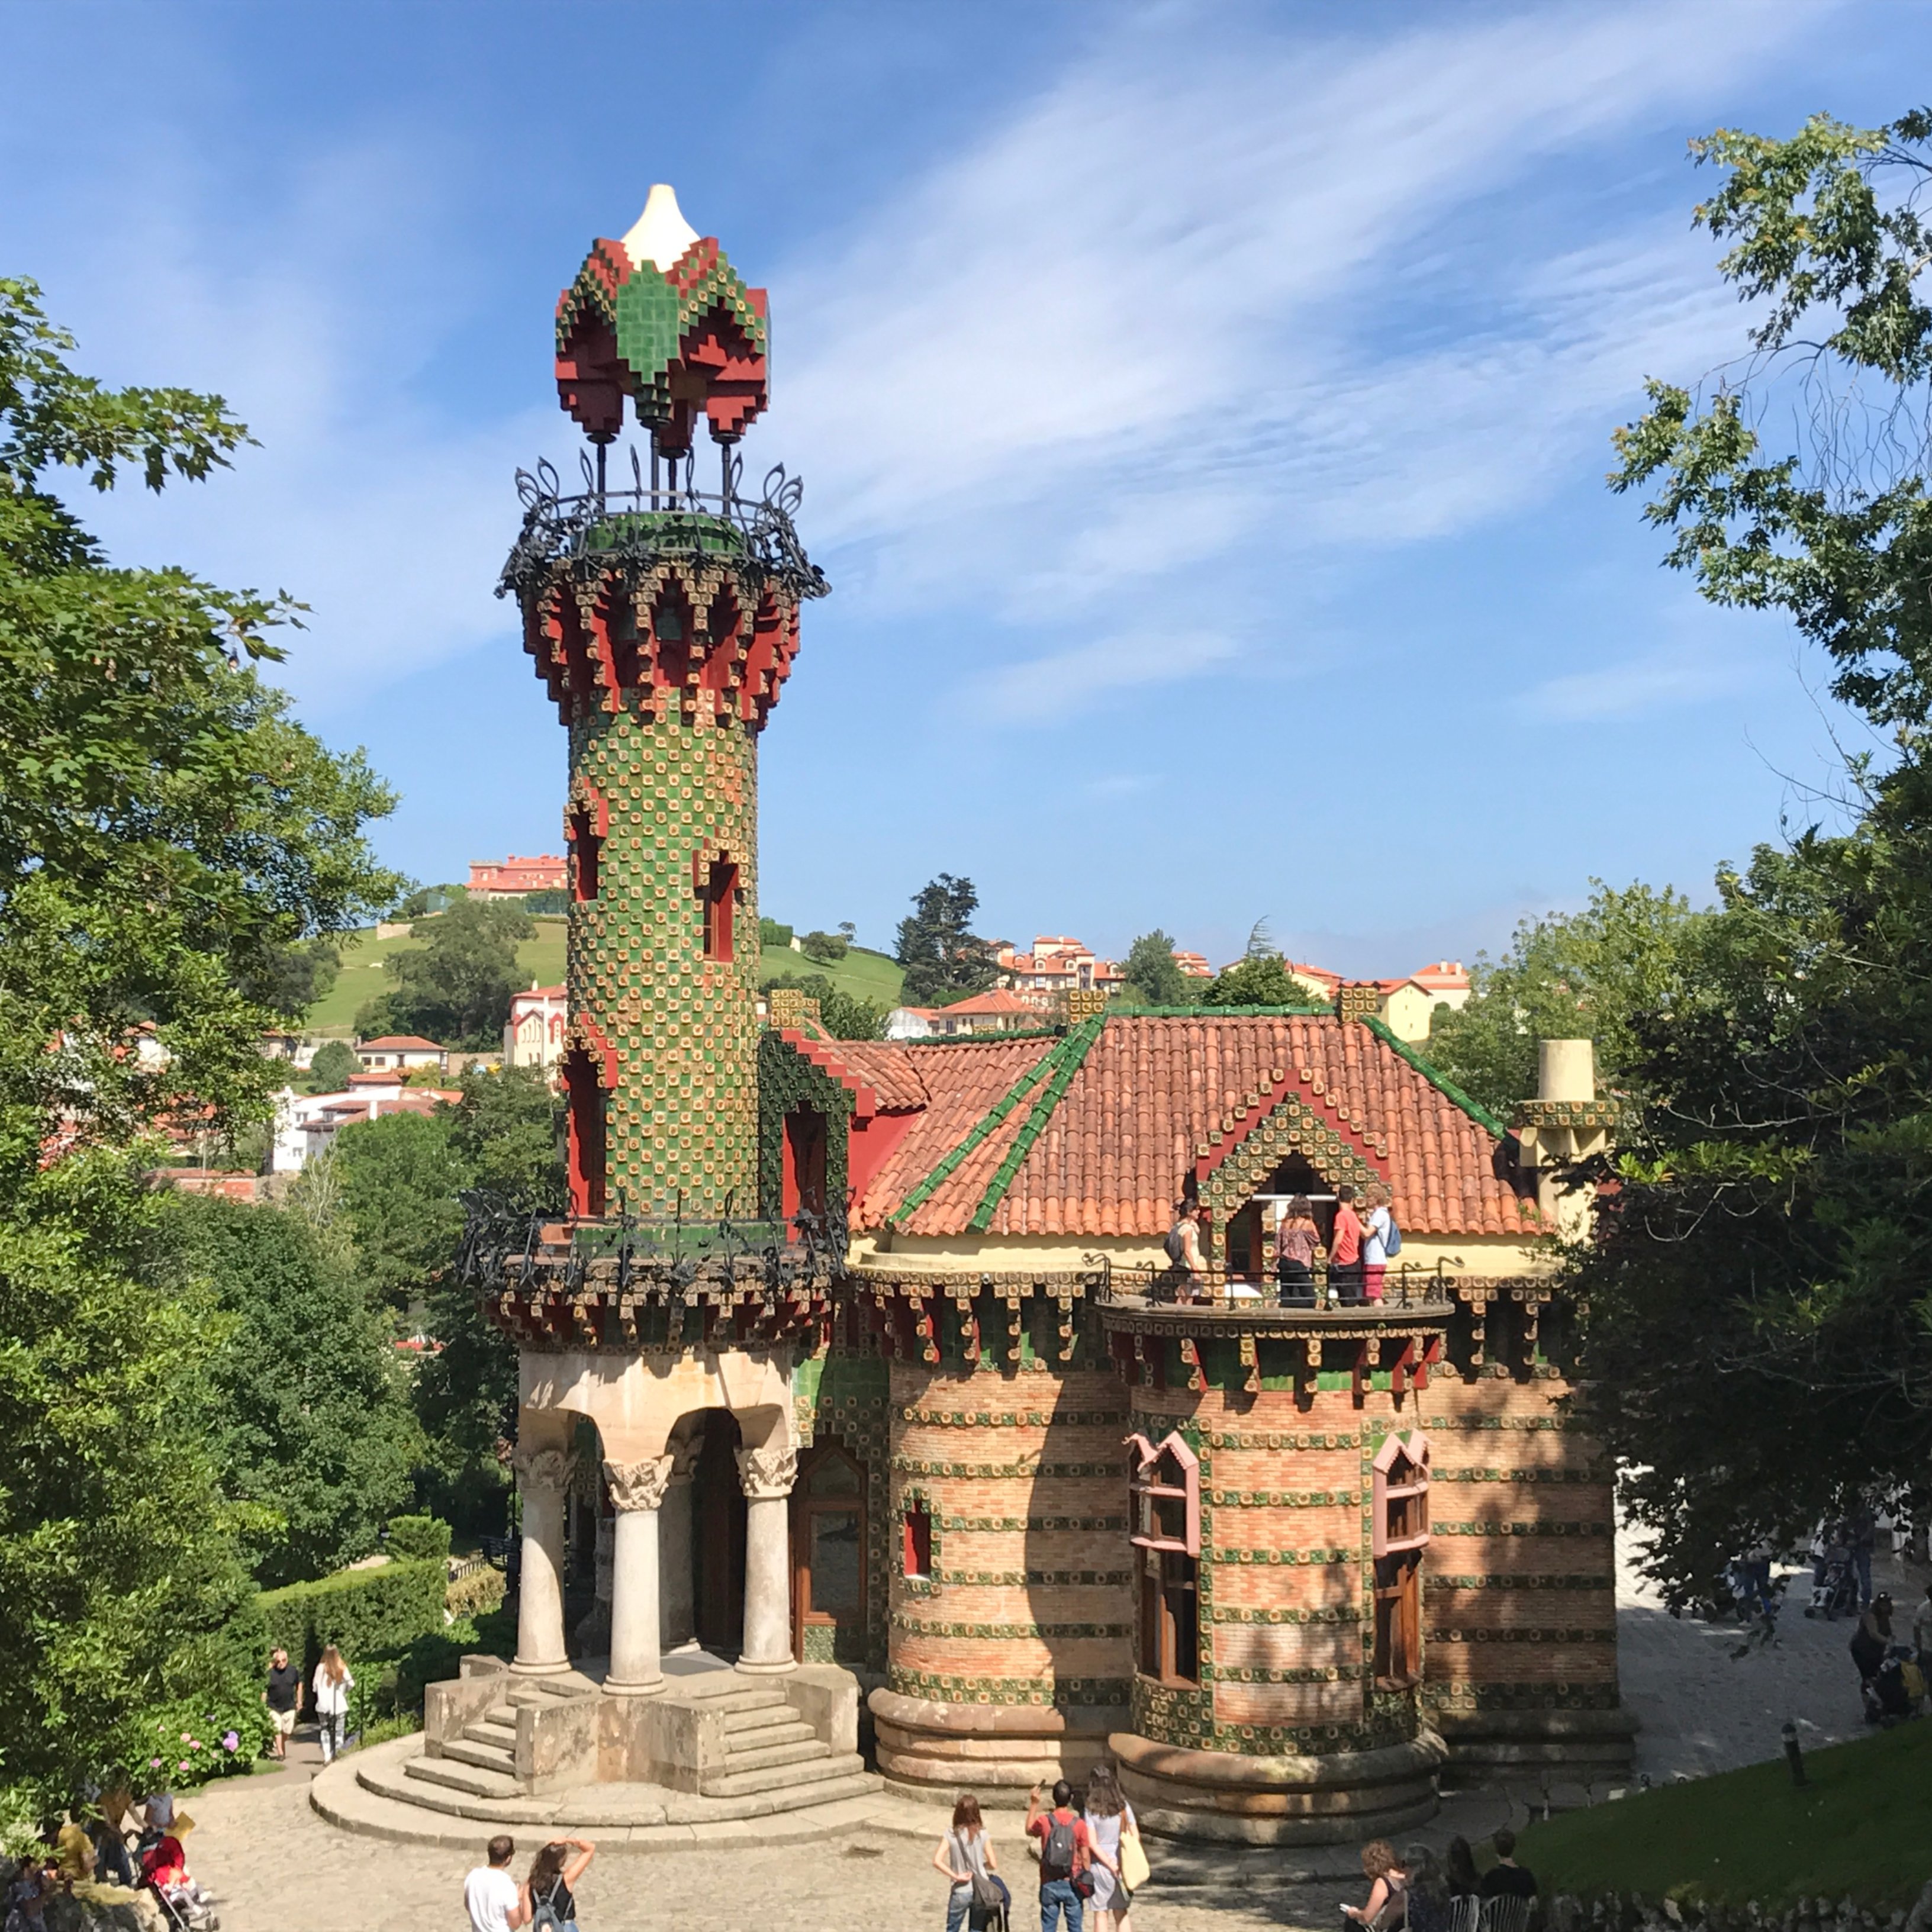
663, 618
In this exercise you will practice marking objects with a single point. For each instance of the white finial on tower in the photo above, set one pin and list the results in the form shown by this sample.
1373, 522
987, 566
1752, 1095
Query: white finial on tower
662, 234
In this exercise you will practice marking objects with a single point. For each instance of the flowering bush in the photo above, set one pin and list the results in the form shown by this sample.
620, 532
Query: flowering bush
189, 1744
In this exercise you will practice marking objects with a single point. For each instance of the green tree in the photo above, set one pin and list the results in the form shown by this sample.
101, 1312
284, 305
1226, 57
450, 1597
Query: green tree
1260, 979
455, 987
1568, 976
166, 830
826, 947
773, 937
1153, 978
843, 1015
309, 1417
400, 1183
334, 1060
1759, 1330
937, 946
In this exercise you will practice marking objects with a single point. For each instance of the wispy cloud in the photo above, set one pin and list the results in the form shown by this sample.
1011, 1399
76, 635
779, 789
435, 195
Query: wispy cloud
1639, 687
1044, 689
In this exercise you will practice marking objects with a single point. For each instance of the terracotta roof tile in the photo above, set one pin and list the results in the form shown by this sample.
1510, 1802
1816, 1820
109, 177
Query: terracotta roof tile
1112, 1157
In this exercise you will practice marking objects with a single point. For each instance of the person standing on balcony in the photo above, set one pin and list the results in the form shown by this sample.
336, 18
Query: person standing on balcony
1378, 1237
1296, 1238
1345, 1250
1183, 1250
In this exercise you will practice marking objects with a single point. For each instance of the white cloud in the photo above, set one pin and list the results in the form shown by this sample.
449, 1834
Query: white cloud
1047, 688
1637, 687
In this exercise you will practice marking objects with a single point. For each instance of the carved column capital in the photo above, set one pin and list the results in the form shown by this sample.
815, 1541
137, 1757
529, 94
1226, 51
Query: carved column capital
766, 1474
684, 1457
543, 1468
638, 1486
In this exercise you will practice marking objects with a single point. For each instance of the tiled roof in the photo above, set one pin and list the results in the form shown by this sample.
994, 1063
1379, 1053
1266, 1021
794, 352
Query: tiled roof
394, 1043
1110, 1158
879, 1074
999, 1000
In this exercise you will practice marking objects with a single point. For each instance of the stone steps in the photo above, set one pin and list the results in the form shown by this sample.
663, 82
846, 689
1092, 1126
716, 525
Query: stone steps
766, 1757
492, 1731
798, 1780
487, 1756
758, 1727
473, 1779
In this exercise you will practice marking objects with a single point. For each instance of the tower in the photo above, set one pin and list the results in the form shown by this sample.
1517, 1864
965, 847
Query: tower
663, 618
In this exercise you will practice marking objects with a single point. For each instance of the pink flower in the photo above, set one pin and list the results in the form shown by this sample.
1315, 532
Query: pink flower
153, 1764
231, 1740
186, 1739
183, 1765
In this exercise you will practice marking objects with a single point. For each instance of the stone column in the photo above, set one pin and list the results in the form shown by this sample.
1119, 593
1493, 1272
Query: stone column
767, 1476
679, 1624
637, 1489
543, 1479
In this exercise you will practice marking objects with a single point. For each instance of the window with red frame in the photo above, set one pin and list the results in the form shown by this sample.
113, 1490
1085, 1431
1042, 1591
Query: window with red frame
917, 1554
587, 849
721, 897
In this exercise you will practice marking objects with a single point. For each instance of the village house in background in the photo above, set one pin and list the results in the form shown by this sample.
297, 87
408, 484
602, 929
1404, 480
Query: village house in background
1406, 1006
405, 1052
511, 878
306, 1124
1054, 967
533, 1035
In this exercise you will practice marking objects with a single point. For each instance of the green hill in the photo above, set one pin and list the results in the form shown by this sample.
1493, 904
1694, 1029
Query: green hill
1857, 1828
362, 976
861, 975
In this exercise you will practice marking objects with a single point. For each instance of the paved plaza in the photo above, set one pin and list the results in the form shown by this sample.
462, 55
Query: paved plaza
280, 1867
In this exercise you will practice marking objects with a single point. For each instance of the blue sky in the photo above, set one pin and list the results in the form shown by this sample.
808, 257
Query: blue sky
1203, 410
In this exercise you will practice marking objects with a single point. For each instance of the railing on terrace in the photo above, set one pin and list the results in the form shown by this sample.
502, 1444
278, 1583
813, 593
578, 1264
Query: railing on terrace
663, 516
1211, 1291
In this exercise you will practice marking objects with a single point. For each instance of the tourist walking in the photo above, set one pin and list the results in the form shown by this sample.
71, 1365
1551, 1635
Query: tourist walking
1110, 1821
1506, 1878
492, 1897
283, 1694
965, 1855
1296, 1238
1345, 1252
1064, 1856
1388, 1886
1861, 1527
1379, 1238
333, 1683
549, 1894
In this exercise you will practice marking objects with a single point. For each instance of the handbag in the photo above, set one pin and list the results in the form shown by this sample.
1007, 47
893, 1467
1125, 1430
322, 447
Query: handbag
1134, 1872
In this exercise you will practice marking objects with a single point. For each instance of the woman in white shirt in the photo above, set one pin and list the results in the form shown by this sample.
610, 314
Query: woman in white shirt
1377, 1225
333, 1683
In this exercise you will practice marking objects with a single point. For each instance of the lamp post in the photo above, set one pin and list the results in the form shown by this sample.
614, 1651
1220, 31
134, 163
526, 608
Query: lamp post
1793, 1756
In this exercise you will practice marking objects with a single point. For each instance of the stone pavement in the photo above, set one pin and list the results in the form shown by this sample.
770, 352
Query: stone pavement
279, 1866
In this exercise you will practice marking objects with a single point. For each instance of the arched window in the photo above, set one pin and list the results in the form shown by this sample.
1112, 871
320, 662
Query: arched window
1164, 1491
1399, 1534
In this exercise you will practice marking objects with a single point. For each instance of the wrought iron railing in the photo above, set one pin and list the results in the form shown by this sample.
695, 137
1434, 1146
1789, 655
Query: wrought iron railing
1324, 1289
657, 517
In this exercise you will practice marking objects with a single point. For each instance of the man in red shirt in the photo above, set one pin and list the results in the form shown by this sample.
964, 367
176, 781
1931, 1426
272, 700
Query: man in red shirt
1345, 1249
1065, 1850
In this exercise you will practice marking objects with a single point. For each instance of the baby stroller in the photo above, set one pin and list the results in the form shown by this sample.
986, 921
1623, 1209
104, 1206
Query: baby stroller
1835, 1588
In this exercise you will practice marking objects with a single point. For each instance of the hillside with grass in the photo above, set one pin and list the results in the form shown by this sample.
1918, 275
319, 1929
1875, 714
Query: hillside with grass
363, 976
1857, 1830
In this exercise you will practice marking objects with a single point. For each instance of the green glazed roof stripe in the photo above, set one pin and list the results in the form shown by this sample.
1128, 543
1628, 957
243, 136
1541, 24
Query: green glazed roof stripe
918, 1196
1307, 1012
1066, 1059
1449, 1091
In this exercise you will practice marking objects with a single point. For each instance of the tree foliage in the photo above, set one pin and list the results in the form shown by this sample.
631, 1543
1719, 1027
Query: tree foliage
1258, 980
936, 946
309, 1407
1153, 978
1758, 1342
455, 987
334, 1061
167, 833
843, 1015
1568, 975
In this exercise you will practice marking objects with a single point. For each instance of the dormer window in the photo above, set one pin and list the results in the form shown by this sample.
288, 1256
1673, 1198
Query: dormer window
717, 890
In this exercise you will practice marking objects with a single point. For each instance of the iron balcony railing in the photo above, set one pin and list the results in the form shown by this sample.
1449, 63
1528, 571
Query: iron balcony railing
665, 515
1242, 1291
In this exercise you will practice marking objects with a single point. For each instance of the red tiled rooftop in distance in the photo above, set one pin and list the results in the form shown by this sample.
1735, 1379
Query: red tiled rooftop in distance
1112, 1157
990, 1005
398, 1042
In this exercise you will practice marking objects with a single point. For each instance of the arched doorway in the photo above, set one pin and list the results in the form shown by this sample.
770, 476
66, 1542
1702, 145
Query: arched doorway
828, 1542
718, 1536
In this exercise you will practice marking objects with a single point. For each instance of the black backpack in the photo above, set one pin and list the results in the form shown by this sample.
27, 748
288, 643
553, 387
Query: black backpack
1176, 1249
1056, 1856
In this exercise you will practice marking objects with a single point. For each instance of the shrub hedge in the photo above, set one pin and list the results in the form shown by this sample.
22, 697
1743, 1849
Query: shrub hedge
362, 1612
472, 1595
418, 1539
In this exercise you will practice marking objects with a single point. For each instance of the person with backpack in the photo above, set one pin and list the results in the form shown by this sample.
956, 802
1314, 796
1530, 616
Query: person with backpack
965, 1855
549, 1900
1065, 1851
1381, 1239
1184, 1251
